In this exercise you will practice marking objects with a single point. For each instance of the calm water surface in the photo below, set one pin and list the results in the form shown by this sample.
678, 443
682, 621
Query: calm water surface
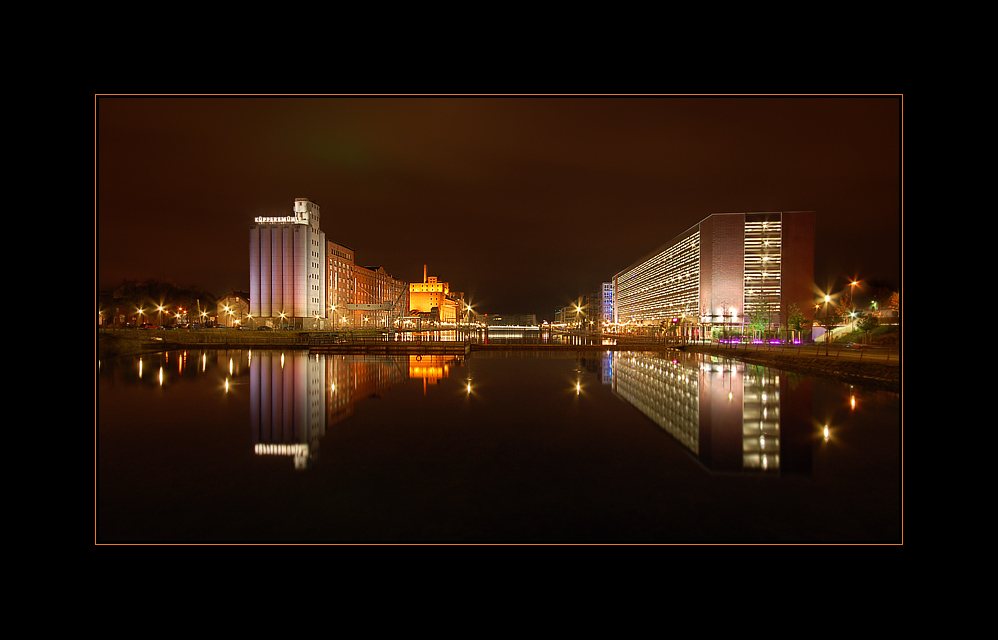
271, 446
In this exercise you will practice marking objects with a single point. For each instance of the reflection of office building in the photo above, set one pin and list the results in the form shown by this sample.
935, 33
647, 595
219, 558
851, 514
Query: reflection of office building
287, 405
724, 270
732, 416
287, 256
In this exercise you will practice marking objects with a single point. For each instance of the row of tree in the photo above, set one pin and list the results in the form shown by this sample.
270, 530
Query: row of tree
148, 295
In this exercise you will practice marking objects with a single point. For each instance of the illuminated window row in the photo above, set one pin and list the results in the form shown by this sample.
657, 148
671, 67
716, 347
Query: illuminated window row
664, 286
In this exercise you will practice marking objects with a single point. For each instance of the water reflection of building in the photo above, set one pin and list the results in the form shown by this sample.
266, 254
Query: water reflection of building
431, 368
294, 396
287, 415
354, 377
732, 416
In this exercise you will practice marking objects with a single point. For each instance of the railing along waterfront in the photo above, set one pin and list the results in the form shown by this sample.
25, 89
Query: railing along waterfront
864, 353
328, 340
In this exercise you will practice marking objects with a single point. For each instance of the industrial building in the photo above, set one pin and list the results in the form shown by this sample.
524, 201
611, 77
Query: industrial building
287, 267
727, 270
299, 279
361, 297
434, 300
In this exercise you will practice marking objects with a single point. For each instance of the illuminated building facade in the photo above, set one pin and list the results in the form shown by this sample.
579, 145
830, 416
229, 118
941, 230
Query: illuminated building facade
339, 284
361, 297
287, 270
233, 309
378, 297
512, 320
432, 294
606, 305
728, 269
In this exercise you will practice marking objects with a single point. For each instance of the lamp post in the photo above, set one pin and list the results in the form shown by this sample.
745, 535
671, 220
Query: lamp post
827, 322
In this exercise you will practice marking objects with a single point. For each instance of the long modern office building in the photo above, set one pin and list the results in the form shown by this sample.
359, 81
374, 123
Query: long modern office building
722, 270
287, 266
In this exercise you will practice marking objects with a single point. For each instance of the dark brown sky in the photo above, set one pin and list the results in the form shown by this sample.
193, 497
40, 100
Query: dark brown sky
522, 203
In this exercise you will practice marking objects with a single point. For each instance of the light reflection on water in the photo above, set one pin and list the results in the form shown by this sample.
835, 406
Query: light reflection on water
492, 447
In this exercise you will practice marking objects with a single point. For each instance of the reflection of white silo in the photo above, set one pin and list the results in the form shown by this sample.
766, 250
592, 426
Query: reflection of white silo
287, 405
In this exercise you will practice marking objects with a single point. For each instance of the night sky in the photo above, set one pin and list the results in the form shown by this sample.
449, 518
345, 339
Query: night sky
523, 203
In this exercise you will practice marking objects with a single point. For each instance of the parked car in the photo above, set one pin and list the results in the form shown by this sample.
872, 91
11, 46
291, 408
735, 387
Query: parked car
264, 328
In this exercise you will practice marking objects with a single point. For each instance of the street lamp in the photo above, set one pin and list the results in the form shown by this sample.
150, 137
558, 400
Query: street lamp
826, 322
